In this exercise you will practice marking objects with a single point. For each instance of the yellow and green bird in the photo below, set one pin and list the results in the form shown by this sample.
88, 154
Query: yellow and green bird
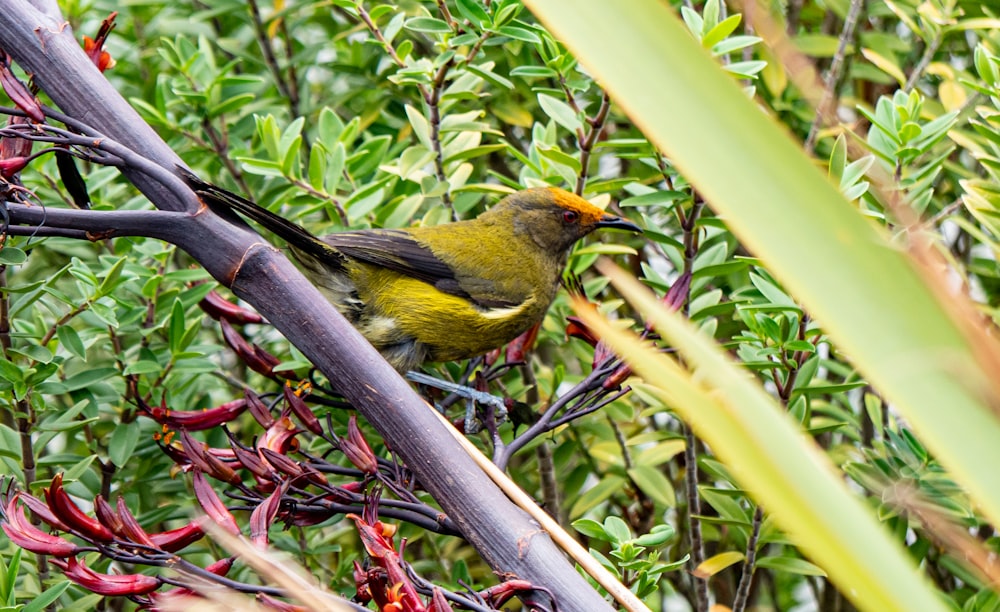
443, 292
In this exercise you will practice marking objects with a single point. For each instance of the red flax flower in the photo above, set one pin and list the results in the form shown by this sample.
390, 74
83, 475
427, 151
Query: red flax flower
19, 93
211, 504
206, 461
219, 568
263, 515
95, 47
302, 411
107, 584
194, 420
387, 583
72, 516
356, 448
519, 347
176, 539
256, 358
219, 307
280, 437
25, 535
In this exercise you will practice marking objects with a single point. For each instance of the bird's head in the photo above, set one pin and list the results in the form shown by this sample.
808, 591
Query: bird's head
554, 218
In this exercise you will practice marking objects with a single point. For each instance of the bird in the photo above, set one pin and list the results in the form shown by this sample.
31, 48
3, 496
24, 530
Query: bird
445, 292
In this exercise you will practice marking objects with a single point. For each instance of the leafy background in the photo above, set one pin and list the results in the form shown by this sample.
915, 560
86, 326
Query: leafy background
343, 114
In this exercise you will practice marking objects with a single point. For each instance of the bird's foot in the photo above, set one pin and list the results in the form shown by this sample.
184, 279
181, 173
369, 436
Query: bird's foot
472, 424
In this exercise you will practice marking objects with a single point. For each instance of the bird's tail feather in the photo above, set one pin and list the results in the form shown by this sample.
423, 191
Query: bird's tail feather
295, 235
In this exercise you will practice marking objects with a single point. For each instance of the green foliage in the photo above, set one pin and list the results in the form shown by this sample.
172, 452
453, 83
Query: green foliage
419, 112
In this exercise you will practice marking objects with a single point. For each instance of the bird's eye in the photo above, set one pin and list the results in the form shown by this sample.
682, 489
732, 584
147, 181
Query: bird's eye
570, 216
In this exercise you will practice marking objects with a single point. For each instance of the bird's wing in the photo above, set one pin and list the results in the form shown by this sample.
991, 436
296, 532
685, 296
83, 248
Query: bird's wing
398, 251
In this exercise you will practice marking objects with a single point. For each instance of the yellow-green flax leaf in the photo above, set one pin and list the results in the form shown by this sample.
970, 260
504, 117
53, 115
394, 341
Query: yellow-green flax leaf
771, 458
866, 293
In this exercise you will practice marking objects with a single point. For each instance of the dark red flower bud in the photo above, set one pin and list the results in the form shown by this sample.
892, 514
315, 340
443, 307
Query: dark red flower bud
576, 328
267, 363
616, 378
519, 347
263, 515
206, 461
356, 448
258, 409
12, 146
176, 539
107, 515
19, 93
12, 165
219, 307
131, 528
499, 594
676, 296
438, 602
301, 410
276, 604
25, 535
280, 437
194, 420
281, 463
314, 476
212, 505
491, 357
256, 358
253, 462
71, 514
42, 511
107, 584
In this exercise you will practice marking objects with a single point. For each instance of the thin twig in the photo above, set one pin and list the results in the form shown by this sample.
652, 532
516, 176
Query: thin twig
925, 60
833, 74
595, 127
749, 561
433, 100
288, 90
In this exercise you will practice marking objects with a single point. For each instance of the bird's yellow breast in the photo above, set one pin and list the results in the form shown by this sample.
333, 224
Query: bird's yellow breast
400, 308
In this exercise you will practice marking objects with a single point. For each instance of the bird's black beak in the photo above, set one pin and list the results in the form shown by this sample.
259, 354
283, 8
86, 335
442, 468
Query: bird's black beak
613, 222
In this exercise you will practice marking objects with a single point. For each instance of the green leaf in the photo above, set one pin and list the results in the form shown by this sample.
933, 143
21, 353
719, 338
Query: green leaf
144, 366
617, 529
122, 444
560, 112
519, 33
608, 486
232, 104
12, 256
46, 597
591, 529
175, 330
421, 127
658, 536
790, 565
428, 25
111, 278
817, 45
10, 372
533, 72
317, 166
490, 76
726, 27
473, 11
654, 484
